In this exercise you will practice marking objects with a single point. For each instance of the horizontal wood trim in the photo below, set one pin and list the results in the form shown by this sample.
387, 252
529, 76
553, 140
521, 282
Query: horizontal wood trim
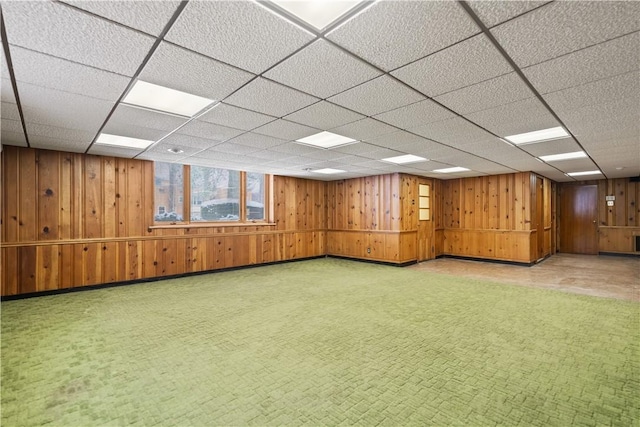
373, 231
617, 227
488, 230
167, 237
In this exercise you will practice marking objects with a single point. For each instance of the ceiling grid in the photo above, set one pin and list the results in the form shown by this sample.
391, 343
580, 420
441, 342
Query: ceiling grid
440, 80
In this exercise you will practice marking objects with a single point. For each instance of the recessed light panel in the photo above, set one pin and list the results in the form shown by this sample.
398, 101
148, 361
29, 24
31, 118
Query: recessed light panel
318, 13
564, 156
451, 170
163, 99
326, 140
538, 136
407, 158
122, 141
584, 173
328, 171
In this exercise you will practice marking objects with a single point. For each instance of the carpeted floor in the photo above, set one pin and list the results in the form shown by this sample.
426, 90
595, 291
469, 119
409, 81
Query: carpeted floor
320, 342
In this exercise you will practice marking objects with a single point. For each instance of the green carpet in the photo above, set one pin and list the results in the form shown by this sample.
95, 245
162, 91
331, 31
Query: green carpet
320, 342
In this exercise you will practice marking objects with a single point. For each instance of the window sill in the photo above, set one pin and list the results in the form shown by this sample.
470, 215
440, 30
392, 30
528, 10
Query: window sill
210, 225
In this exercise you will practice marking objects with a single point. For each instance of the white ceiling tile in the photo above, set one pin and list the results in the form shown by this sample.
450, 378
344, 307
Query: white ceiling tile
103, 150
414, 115
11, 133
293, 148
4, 68
562, 27
41, 131
324, 115
210, 131
7, 91
10, 111
377, 96
558, 146
460, 65
71, 34
614, 57
57, 144
618, 116
575, 165
125, 116
177, 68
148, 16
161, 157
364, 129
60, 74
62, 109
601, 91
271, 156
232, 148
267, 97
491, 93
322, 69
518, 117
494, 12
453, 132
240, 33
418, 27
164, 146
402, 141
286, 130
234, 117
257, 141
182, 140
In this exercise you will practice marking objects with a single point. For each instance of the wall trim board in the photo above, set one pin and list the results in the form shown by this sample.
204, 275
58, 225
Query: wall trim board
493, 260
622, 254
155, 237
375, 261
145, 280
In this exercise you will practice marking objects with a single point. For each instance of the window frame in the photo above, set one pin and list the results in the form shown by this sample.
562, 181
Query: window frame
242, 220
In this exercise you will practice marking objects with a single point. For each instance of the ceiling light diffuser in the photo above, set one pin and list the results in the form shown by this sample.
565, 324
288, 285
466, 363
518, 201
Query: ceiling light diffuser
407, 158
584, 173
328, 171
317, 13
326, 140
538, 136
122, 141
163, 99
564, 156
451, 170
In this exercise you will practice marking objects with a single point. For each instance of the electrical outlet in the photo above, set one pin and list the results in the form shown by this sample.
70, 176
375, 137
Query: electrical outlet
368, 250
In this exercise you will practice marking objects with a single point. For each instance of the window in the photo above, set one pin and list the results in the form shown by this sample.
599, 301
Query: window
209, 194
169, 190
215, 194
423, 204
255, 196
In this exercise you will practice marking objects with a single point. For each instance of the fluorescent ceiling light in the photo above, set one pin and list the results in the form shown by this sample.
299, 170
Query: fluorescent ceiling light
584, 173
407, 158
451, 170
326, 140
122, 141
538, 135
564, 156
163, 99
328, 171
318, 13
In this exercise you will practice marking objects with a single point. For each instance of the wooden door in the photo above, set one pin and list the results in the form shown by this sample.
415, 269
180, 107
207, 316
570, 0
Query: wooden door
426, 243
579, 219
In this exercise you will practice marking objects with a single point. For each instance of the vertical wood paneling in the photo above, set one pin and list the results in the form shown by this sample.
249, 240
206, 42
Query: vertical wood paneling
10, 194
27, 202
48, 195
109, 190
92, 197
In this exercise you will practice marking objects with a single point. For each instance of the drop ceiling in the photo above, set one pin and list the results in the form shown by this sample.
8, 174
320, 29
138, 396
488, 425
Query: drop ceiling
443, 80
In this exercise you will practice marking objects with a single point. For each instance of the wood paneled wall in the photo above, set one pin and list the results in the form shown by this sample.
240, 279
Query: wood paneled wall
75, 220
492, 217
372, 218
618, 225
